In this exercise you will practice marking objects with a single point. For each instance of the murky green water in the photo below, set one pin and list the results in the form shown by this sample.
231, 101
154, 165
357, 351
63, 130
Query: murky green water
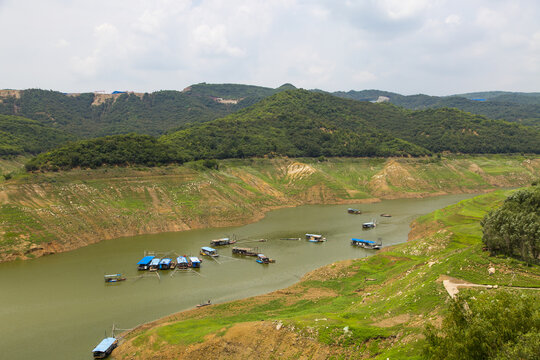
58, 307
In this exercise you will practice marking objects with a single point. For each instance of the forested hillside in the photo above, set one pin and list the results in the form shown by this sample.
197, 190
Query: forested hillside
294, 123
300, 123
19, 135
92, 115
516, 107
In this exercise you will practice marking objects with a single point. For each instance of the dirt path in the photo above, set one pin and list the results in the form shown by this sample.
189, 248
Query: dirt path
452, 286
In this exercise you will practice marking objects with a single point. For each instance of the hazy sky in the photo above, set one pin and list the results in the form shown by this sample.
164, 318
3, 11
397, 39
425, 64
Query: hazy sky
436, 47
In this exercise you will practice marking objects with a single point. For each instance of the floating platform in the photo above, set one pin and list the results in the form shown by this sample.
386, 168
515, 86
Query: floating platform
144, 263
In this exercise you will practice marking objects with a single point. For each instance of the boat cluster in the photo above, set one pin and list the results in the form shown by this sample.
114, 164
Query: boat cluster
153, 263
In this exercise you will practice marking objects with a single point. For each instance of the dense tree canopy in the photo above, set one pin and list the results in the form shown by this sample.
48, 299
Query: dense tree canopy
500, 326
130, 149
24, 136
514, 228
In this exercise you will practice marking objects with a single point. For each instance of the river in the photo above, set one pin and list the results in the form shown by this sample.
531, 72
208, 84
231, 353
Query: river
59, 307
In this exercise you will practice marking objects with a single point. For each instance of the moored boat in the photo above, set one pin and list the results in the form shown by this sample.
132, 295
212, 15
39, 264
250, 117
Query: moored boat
366, 244
104, 348
112, 278
181, 262
369, 225
315, 238
244, 251
262, 259
222, 241
208, 251
354, 211
386, 215
194, 262
154, 264
165, 264
144, 263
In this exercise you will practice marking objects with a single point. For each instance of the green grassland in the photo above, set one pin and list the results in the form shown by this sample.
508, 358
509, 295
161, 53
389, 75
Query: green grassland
373, 307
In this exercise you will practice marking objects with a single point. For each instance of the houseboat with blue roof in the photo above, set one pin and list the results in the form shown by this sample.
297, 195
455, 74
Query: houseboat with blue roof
105, 348
194, 262
144, 263
154, 264
165, 264
263, 259
366, 244
181, 262
208, 251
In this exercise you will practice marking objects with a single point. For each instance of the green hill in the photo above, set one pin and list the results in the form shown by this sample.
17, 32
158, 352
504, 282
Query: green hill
294, 123
92, 115
523, 108
448, 129
19, 135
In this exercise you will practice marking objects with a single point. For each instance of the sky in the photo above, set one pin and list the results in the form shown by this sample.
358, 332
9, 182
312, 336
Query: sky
434, 47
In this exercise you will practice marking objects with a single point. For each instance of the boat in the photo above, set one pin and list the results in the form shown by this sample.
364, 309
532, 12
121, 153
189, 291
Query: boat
112, 278
181, 262
222, 241
369, 225
194, 262
386, 215
204, 304
154, 264
366, 244
315, 238
105, 348
208, 251
144, 263
244, 251
354, 211
165, 264
262, 259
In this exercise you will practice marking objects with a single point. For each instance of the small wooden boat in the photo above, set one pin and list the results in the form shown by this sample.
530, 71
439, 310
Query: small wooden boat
244, 251
105, 348
315, 238
354, 211
262, 259
369, 225
208, 251
144, 263
204, 304
366, 244
222, 241
386, 215
112, 278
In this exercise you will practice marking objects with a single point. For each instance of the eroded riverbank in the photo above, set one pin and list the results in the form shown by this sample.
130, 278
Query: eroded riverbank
56, 212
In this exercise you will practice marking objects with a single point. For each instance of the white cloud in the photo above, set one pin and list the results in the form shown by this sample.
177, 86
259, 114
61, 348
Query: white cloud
409, 46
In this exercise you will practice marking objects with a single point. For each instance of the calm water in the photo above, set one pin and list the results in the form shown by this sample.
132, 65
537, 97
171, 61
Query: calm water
58, 307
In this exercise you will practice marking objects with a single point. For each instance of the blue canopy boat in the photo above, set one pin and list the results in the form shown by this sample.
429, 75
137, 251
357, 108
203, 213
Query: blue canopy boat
181, 262
262, 259
144, 263
165, 264
154, 264
366, 244
208, 251
104, 348
195, 262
